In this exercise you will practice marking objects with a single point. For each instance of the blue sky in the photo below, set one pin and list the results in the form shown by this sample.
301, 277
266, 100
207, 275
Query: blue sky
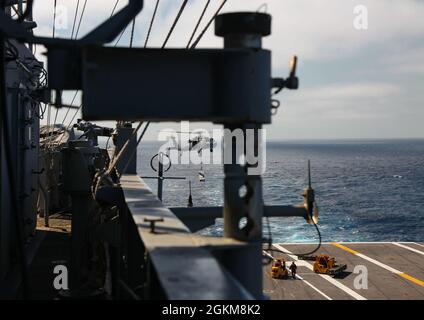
353, 83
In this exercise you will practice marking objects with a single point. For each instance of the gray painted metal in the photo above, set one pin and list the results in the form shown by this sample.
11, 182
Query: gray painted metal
185, 269
243, 212
198, 218
24, 132
78, 161
224, 86
230, 86
127, 160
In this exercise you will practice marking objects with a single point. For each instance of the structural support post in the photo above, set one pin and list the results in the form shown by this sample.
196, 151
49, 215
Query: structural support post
78, 160
243, 211
160, 175
125, 132
243, 202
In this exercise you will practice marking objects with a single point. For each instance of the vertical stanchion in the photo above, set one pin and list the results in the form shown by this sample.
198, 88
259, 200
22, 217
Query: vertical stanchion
160, 175
243, 202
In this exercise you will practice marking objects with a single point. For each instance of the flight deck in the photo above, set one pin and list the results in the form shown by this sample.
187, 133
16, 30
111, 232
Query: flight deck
375, 271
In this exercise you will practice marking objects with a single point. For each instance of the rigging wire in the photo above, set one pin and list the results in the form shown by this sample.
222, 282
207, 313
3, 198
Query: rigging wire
151, 23
195, 43
76, 35
114, 8
49, 105
177, 18
54, 17
303, 253
120, 36
69, 108
76, 92
80, 20
269, 240
132, 33
75, 19
193, 46
198, 23
27, 11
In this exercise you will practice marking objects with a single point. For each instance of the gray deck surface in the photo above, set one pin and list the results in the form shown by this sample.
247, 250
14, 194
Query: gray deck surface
395, 271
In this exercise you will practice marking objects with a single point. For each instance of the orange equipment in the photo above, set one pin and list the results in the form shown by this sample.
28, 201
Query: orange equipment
278, 269
327, 265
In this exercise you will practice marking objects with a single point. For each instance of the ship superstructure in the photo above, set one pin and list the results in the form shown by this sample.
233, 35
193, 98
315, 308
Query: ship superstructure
68, 202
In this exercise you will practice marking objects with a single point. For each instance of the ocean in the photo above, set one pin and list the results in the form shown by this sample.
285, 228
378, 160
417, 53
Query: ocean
366, 190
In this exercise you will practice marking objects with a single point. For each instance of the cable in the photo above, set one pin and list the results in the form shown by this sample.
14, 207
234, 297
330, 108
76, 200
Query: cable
120, 36
304, 253
194, 45
263, 6
27, 11
107, 142
151, 23
311, 217
80, 20
132, 33
69, 108
54, 17
145, 45
114, 8
177, 18
75, 18
49, 110
76, 35
198, 23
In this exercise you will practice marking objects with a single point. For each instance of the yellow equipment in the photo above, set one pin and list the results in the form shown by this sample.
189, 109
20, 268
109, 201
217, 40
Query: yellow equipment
326, 265
278, 269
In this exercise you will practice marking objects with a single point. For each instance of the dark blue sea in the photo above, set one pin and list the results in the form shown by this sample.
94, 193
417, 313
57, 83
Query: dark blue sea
367, 190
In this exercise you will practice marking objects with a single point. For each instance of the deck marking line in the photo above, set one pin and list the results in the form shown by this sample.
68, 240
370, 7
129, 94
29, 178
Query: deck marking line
345, 248
415, 280
345, 242
333, 281
419, 244
382, 265
301, 278
408, 248
313, 287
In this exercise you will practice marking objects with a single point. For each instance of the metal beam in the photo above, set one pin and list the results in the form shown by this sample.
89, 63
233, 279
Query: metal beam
197, 218
224, 86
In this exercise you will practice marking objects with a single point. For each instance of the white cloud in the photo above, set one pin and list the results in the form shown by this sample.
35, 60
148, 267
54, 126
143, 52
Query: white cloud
313, 29
341, 101
405, 61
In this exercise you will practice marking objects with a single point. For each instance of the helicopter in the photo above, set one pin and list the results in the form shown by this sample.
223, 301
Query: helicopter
197, 143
